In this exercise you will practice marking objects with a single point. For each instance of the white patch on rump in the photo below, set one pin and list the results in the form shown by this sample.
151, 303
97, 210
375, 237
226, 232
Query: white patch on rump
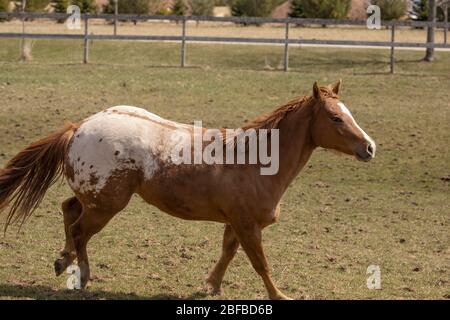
345, 110
119, 138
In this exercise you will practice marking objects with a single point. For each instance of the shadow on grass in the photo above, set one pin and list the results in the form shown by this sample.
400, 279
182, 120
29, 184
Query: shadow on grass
40, 292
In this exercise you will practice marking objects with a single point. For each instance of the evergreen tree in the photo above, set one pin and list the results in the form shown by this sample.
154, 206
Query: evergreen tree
60, 6
179, 8
4, 7
420, 9
392, 9
86, 6
201, 7
128, 7
321, 9
33, 5
296, 9
253, 8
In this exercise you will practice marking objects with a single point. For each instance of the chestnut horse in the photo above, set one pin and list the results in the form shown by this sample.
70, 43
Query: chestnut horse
124, 150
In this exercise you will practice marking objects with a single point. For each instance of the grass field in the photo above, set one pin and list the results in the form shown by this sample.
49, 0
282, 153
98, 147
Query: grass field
338, 217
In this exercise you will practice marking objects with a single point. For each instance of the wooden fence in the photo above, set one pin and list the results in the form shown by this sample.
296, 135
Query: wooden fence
184, 39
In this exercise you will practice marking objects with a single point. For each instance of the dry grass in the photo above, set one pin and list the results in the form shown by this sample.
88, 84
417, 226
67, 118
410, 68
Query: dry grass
338, 217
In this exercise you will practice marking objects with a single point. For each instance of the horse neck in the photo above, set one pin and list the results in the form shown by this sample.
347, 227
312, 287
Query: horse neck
295, 146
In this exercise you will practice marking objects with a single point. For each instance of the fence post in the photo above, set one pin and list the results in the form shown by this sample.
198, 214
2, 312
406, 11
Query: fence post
86, 42
183, 42
446, 22
286, 47
116, 12
393, 49
22, 52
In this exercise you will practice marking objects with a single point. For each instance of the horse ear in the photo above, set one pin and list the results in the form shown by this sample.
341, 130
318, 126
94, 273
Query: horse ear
316, 91
337, 87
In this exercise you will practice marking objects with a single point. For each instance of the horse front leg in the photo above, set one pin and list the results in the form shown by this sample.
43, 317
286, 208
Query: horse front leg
230, 245
250, 237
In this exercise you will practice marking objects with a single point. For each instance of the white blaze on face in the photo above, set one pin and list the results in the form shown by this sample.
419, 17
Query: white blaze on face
345, 110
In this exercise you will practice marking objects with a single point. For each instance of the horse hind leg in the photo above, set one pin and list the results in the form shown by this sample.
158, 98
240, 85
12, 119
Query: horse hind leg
90, 222
72, 209
230, 246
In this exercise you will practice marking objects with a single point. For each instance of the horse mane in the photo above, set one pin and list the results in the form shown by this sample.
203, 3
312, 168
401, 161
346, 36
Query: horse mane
273, 119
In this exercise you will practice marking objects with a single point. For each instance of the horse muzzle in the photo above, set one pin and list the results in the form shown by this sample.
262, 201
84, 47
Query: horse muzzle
366, 151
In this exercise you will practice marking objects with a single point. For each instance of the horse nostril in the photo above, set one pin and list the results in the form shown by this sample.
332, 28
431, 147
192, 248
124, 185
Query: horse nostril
370, 149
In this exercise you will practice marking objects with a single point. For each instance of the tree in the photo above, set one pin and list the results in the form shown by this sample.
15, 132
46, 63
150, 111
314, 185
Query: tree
128, 6
4, 7
322, 9
391, 9
429, 55
253, 8
201, 7
60, 6
86, 6
420, 10
179, 8
33, 5
297, 9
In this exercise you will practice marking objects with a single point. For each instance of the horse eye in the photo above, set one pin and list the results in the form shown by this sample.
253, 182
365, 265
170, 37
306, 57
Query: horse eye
336, 119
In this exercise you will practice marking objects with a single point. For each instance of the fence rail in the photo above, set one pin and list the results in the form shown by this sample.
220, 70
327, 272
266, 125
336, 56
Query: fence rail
184, 39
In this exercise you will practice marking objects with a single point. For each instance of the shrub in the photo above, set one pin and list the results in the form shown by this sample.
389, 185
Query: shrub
321, 9
253, 8
179, 8
201, 7
391, 9
4, 7
60, 6
86, 6
297, 9
128, 7
33, 5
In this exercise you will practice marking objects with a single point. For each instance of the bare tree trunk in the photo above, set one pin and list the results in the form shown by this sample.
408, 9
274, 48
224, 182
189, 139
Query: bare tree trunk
430, 31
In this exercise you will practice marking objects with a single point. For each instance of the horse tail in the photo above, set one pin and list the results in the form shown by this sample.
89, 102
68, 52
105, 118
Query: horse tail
27, 177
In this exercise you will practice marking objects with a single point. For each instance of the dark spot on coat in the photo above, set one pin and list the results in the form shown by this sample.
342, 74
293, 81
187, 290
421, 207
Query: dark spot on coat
100, 140
93, 179
91, 166
116, 153
82, 164
78, 160
133, 161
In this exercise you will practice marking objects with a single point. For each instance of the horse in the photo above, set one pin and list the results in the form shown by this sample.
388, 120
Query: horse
123, 151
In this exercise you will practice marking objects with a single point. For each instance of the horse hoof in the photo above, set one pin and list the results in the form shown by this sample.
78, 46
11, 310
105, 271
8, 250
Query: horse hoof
281, 296
59, 267
213, 290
